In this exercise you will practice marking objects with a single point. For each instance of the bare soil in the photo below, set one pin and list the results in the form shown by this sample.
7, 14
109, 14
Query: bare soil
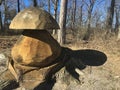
107, 76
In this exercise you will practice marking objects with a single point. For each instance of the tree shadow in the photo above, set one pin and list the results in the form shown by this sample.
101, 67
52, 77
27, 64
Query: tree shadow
90, 57
72, 59
47, 85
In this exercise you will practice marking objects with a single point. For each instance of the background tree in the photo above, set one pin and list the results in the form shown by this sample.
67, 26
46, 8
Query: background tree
62, 21
1, 25
82, 15
18, 5
90, 6
35, 3
55, 3
5, 15
110, 16
80, 20
81, 12
49, 6
117, 11
73, 13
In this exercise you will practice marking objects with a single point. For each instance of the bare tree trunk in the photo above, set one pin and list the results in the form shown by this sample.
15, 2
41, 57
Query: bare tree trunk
62, 21
18, 5
5, 18
35, 3
80, 16
55, 9
73, 14
55, 12
110, 16
118, 34
90, 9
117, 20
49, 6
1, 25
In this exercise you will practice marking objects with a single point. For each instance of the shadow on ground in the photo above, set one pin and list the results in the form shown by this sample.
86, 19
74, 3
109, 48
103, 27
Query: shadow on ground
72, 59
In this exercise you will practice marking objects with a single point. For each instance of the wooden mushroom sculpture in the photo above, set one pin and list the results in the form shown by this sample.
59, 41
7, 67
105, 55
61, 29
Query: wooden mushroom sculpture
36, 47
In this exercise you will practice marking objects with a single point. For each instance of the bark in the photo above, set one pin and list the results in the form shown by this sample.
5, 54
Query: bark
117, 21
49, 6
55, 12
62, 21
35, 3
55, 9
18, 5
110, 16
73, 14
90, 9
1, 25
118, 34
5, 13
81, 15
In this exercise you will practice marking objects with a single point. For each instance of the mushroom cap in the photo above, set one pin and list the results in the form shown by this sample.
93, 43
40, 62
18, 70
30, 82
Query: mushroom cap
33, 18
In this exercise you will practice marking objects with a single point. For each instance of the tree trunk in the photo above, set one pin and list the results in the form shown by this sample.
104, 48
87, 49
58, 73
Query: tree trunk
80, 16
55, 12
5, 13
73, 13
55, 9
18, 5
35, 3
49, 6
1, 25
117, 21
90, 9
110, 16
118, 34
62, 21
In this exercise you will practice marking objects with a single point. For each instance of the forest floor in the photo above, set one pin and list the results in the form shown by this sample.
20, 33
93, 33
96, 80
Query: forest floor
105, 77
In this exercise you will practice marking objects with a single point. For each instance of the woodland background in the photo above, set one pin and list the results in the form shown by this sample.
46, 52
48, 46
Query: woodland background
81, 18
